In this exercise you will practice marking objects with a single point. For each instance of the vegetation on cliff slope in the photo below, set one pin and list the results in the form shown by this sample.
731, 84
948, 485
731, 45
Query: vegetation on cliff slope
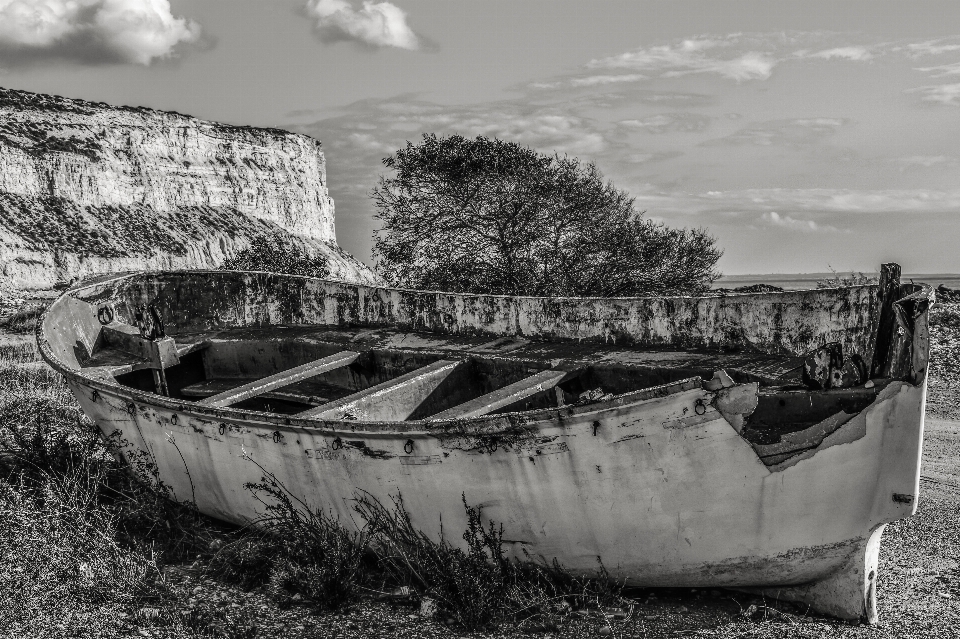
279, 255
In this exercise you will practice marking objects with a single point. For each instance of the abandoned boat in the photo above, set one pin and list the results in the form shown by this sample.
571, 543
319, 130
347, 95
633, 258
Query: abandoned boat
757, 441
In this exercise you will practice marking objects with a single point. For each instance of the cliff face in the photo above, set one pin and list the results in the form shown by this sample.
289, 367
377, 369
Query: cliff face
86, 188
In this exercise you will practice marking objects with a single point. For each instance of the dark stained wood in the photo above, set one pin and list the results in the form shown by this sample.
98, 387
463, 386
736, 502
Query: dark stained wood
283, 378
161, 353
300, 393
889, 293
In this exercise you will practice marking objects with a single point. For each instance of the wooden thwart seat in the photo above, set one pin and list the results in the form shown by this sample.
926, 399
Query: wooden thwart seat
394, 399
281, 379
303, 392
544, 380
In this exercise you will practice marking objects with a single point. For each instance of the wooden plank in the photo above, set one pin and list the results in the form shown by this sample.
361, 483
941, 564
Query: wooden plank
412, 383
210, 387
544, 380
283, 378
161, 353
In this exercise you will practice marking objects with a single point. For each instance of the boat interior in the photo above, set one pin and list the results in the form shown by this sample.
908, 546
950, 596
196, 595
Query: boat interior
390, 374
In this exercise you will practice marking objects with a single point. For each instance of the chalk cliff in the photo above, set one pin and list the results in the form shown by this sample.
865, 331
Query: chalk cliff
86, 188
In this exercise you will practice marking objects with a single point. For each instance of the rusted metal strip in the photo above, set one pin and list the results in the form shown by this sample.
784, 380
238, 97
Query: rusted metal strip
544, 380
281, 379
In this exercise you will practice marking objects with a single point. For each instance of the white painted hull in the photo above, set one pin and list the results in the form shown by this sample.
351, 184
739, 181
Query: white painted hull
658, 504
659, 493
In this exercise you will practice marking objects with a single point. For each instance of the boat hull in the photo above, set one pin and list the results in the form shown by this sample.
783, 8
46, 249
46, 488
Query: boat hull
659, 495
658, 486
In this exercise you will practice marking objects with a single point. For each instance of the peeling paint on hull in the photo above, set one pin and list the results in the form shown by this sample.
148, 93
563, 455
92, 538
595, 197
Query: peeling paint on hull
661, 487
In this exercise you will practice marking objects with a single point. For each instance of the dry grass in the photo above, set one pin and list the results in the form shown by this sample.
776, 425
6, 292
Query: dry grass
86, 551
82, 541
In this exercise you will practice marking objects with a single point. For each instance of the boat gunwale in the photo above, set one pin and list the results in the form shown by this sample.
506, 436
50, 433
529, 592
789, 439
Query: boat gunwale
712, 294
500, 422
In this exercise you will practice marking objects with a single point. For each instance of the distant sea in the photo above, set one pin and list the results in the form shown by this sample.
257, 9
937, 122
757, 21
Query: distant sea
801, 281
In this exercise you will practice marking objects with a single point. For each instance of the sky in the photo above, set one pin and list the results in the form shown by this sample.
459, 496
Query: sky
805, 136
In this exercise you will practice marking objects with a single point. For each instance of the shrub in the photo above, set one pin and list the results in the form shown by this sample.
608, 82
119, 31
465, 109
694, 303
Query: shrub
275, 254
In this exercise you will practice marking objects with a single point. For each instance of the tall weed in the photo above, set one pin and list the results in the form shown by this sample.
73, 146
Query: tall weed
477, 586
296, 550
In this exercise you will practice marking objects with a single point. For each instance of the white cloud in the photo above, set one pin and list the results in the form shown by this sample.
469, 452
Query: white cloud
794, 132
750, 66
688, 56
926, 161
785, 221
93, 31
665, 122
946, 94
830, 200
367, 142
931, 47
857, 54
942, 70
599, 80
375, 24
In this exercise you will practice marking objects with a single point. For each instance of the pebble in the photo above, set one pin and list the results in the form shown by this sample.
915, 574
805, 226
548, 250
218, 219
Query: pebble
428, 608
945, 595
606, 631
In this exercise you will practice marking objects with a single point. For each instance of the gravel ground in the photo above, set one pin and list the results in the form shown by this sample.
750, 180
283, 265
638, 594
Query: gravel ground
919, 587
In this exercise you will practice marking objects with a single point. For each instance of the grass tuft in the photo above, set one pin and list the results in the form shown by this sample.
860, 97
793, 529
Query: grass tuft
23, 320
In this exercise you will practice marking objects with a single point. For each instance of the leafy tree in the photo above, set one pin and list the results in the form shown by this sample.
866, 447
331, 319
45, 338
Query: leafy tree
488, 216
278, 255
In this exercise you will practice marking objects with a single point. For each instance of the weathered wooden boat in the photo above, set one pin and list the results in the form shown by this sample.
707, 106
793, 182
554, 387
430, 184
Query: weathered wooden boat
757, 441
